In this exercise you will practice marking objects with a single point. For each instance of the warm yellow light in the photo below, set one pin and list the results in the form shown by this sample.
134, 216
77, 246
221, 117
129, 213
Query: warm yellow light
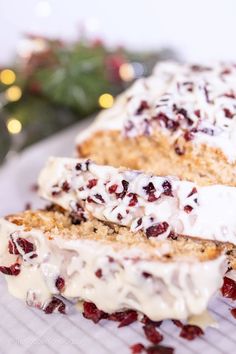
14, 126
106, 100
127, 72
13, 93
7, 77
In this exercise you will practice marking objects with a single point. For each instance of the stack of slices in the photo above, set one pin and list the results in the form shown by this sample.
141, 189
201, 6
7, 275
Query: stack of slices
145, 218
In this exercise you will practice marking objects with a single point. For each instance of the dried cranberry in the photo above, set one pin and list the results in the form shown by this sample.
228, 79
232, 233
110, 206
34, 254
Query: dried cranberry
159, 349
137, 348
149, 188
143, 105
169, 123
113, 188
229, 288
178, 323
92, 183
197, 113
55, 304
77, 215
193, 191
146, 274
146, 320
152, 334
228, 113
167, 188
65, 187
179, 151
188, 135
119, 216
125, 317
14, 269
156, 230
152, 198
60, 284
191, 332
99, 197
91, 312
98, 273
133, 199
188, 209
233, 312
24, 244
125, 185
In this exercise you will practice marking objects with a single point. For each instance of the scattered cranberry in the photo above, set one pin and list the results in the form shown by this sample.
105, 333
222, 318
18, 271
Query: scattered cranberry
14, 269
228, 113
98, 273
169, 123
125, 185
167, 188
159, 349
152, 334
133, 199
112, 188
188, 135
179, 151
60, 284
55, 304
188, 209
229, 288
92, 183
178, 323
156, 230
77, 215
119, 216
193, 191
125, 318
91, 312
146, 274
99, 197
143, 105
137, 348
190, 332
233, 312
24, 244
145, 320
65, 187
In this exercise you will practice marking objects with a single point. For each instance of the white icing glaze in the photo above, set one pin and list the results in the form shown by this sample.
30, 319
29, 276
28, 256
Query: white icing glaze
174, 289
179, 99
206, 212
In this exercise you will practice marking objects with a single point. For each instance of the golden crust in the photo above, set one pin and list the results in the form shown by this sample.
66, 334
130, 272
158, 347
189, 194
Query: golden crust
157, 154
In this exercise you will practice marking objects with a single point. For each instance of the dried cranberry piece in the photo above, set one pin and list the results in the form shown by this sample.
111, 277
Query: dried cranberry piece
167, 188
98, 273
228, 113
146, 320
133, 199
152, 334
188, 135
156, 230
143, 105
92, 183
24, 244
77, 215
137, 348
179, 151
233, 312
125, 185
119, 216
178, 323
152, 198
146, 274
193, 191
65, 187
229, 288
169, 123
12, 247
60, 284
55, 304
91, 312
125, 317
113, 188
197, 113
188, 208
149, 188
159, 349
82, 166
99, 197
13, 269
191, 332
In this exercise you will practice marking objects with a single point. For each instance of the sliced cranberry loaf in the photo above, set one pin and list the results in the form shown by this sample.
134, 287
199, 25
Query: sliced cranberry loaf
45, 254
160, 206
180, 121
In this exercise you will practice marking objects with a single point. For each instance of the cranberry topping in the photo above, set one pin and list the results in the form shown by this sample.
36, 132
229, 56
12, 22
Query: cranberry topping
156, 230
190, 332
188, 208
125, 185
92, 183
13, 269
233, 312
178, 323
82, 166
119, 216
169, 123
228, 113
137, 348
112, 188
193, 191
229, 288
91, 312
147, 320
159, 349
133, 199
146, 274
65, 187
167, 188
99, 197
152, 334
143, 105
125, 318
55, 304
98, 273
77, 215
179, 151
189, 135
60, 284
24, 244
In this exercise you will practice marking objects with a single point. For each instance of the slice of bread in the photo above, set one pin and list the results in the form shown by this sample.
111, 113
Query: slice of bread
44, 254
180, 121
160, 206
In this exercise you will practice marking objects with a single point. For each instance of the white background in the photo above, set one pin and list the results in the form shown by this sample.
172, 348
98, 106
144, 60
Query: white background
198, 29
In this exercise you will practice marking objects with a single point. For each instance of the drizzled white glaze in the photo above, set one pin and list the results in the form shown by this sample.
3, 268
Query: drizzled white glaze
205, 212
197, 102
174, 289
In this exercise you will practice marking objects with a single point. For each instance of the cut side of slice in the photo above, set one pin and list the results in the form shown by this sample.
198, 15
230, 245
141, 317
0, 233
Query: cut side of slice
106, 265
159, 206
179, 121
